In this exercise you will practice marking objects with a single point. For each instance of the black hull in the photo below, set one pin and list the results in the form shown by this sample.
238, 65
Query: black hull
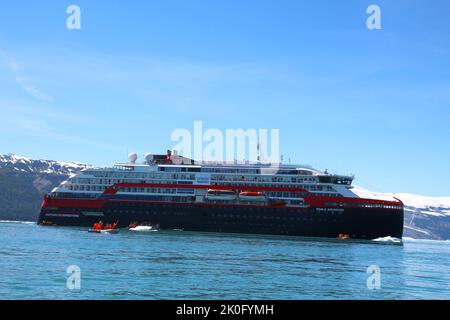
358, 223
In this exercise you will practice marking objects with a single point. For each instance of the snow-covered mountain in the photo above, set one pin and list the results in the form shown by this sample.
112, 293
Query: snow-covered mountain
27, 165
425, 217
24, 181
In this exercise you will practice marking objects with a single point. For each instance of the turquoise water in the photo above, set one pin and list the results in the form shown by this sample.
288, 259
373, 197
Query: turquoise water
184, 265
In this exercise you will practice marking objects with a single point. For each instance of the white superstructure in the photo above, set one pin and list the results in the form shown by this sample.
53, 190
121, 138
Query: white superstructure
174, 169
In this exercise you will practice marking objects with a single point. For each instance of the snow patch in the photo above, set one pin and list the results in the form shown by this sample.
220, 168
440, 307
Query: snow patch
433, 206
416, 229
23, 164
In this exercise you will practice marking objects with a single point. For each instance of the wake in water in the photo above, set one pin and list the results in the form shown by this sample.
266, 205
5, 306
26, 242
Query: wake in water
409, 239
388, 239
406, 239
17, 222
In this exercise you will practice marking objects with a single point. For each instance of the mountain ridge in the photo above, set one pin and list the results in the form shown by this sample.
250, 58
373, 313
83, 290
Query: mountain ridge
24, 164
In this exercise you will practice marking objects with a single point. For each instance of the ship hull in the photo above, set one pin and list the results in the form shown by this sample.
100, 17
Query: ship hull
357, 223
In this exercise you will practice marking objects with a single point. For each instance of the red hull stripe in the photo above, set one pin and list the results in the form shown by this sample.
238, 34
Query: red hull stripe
313, 200
99, 204
116, 187
234, 205
74, 203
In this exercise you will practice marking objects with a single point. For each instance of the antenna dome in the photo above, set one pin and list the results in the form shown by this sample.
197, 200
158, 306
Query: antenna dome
132, 157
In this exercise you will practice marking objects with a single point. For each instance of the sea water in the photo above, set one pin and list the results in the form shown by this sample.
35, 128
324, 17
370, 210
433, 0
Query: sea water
39, 262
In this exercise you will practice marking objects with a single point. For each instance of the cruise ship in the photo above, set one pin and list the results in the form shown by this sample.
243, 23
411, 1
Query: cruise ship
178, 193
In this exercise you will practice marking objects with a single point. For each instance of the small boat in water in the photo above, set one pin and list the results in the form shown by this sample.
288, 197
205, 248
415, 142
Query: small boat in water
112, 231
48, 223
99, 227
143, 228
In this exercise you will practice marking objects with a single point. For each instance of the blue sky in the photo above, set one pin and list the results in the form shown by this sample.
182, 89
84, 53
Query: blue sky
370, 102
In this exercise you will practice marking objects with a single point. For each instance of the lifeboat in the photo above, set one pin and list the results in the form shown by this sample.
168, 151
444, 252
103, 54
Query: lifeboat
216, 194
47, 223
252, 196
105, 231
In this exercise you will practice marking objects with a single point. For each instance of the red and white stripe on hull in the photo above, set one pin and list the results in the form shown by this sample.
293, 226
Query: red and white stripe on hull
310, 199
